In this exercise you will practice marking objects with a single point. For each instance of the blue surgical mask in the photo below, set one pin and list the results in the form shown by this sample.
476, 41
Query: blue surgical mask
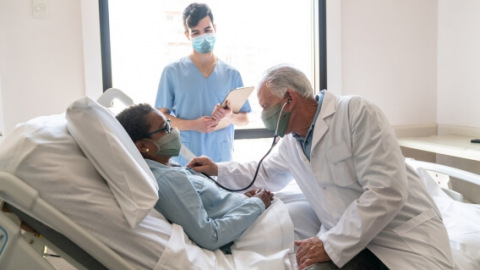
204, 43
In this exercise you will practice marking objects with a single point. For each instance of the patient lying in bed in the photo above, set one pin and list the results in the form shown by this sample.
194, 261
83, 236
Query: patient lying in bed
209, 215
85, 165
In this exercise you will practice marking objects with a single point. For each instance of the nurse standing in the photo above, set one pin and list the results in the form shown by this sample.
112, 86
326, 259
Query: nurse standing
192, 88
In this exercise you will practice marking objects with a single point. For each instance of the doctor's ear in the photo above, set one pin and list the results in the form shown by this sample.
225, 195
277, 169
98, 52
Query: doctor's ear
290, 96
288, 105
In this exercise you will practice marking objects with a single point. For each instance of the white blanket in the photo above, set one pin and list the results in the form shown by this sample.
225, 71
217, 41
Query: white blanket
267, 244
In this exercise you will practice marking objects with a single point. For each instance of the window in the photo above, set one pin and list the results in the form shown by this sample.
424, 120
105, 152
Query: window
252, 36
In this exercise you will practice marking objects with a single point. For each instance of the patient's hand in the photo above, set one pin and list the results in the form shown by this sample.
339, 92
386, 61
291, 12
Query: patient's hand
203, 164
250, 193
265, 195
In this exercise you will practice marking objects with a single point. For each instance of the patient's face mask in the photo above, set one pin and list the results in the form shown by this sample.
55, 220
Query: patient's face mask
169, 144
204, 43
276, 120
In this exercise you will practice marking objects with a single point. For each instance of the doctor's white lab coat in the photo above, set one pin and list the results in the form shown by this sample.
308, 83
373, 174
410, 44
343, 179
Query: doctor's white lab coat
359, 186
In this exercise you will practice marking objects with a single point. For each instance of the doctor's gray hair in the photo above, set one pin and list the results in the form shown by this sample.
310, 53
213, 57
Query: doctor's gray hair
283, 77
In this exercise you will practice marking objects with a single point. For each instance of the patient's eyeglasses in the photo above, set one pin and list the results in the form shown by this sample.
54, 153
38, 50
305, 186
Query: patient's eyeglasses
167, 128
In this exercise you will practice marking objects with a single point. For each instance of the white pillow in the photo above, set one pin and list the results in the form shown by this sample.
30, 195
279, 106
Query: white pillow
43, 154
18, 152
107, 145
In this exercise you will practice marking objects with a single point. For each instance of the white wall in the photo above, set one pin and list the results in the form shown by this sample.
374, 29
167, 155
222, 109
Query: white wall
459, 63
388, 55
42, 59
418, 60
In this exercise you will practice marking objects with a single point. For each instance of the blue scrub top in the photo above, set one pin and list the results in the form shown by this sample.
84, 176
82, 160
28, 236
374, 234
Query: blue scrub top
189, 95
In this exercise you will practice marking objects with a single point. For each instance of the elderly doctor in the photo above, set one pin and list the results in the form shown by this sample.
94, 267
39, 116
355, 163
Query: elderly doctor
343, 153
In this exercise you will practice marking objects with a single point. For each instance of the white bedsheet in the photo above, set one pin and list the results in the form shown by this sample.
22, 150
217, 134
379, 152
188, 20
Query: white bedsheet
462, 221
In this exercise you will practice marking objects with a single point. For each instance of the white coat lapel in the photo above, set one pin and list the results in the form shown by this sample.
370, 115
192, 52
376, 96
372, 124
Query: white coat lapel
329, 107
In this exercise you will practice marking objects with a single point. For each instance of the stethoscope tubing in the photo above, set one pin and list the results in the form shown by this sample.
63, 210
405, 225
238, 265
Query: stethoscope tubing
275, 140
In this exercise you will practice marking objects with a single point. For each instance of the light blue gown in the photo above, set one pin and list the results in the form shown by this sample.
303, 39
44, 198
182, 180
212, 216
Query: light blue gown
211, 216
189, 95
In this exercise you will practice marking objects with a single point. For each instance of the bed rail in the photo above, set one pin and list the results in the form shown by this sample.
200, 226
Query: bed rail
453, 172
21, 196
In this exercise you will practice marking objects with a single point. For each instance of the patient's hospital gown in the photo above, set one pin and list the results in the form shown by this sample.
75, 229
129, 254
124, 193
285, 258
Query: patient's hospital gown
209, 215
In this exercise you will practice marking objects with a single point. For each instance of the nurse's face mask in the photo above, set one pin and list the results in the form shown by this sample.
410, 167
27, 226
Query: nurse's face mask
204, 43
276, 120
169, 144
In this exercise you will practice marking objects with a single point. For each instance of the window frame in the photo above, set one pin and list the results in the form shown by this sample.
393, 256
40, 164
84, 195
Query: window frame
320, 55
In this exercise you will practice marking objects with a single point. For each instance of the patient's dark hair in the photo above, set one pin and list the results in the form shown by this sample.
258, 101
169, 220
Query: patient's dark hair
134, 120
194, 13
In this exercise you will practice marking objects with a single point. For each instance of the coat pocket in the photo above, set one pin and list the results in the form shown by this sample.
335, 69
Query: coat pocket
415, 222
425, 236
340, 162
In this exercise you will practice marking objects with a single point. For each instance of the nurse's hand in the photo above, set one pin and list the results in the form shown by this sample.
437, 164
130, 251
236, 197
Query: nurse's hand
205, 124
203, 164
310, 251
220, 112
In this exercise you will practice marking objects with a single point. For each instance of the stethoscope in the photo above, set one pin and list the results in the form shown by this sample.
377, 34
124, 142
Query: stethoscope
276, 139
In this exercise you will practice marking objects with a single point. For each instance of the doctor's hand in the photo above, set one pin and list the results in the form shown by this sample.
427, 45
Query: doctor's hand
310, 251
220, 112
205, 124
203, 164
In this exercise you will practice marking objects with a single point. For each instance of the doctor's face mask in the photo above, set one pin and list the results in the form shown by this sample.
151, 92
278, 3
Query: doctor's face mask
204, 43
276, 120
169, 144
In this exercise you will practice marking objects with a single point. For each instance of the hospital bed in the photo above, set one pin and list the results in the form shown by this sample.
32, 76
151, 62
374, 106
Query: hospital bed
60, 174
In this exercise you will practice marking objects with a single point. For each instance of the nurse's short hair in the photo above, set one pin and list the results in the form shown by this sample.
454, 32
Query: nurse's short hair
134, 120
193, 13
282, 77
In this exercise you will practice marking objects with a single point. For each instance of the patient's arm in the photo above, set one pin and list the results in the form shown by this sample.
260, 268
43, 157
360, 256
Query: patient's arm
210, 216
